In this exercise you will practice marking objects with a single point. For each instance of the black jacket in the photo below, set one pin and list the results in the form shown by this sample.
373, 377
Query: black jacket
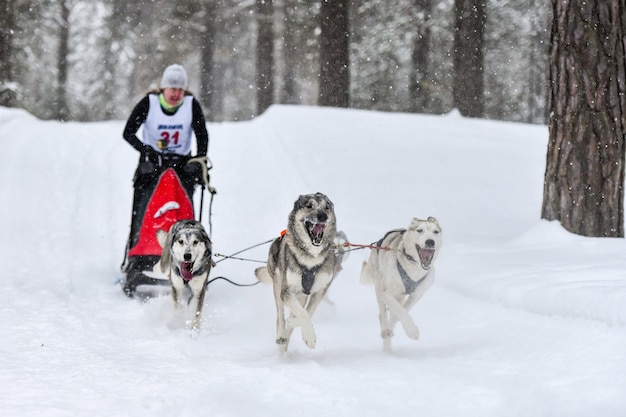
140, 112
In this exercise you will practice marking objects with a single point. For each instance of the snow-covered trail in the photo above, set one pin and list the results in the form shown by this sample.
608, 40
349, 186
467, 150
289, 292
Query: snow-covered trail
498, 337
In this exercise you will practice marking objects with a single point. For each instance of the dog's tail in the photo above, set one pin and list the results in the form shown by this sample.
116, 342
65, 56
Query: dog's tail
366, 274
263, 275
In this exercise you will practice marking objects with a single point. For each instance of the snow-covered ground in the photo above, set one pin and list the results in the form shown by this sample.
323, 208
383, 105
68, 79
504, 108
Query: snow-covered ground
524, 319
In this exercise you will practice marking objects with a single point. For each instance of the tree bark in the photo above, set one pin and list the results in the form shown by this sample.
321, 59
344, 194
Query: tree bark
584, 177
62, 64
264, 55
289, 94
420, 76
207, 61
469, 34
8, 95
334, 87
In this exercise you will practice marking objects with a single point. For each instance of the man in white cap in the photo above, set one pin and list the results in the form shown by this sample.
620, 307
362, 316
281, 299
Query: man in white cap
169, 116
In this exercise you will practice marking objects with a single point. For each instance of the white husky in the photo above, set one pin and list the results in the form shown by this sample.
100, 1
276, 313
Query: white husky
402, 269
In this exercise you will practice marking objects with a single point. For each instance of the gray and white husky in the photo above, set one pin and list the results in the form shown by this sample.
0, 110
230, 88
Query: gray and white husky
186, 260
402, 269
301, 266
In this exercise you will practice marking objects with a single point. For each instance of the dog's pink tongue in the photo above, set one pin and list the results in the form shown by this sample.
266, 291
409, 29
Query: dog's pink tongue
185, 270
318, 229
426, 255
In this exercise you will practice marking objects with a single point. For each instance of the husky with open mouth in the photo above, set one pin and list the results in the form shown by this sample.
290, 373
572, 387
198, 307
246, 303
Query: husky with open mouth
401, 266
301, 266
186, 260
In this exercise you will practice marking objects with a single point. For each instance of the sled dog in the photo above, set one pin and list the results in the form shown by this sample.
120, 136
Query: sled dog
301, 265
186, 260
402, 269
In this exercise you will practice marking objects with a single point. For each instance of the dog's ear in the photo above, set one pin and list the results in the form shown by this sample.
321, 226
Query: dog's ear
414, 223
166, 255
207, 259
324, 197
434, 220
161, 237
300, 202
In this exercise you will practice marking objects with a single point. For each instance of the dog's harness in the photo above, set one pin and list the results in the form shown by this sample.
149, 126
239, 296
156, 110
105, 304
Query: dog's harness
409, 285
409, 257
308, 278
308, 275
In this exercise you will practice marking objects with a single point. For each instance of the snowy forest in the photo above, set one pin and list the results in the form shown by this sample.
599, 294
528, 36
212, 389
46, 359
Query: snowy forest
88, 60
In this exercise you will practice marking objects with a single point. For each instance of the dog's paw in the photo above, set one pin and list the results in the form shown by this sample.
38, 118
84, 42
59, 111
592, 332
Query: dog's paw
308, 336
282, 341
386, 334
412, 331
195, 324
194, 334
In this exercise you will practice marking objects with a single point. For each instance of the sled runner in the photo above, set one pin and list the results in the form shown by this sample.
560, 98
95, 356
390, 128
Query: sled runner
168, 203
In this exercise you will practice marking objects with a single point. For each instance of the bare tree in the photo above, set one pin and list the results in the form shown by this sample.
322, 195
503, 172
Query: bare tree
288, 94
62, 63
264, 55
584, 179
420, 82
207, 62
469, 30
7, 25
334, 54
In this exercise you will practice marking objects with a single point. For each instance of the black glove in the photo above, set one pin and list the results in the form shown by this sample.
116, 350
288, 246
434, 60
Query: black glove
198, 168
149, 154
194, 168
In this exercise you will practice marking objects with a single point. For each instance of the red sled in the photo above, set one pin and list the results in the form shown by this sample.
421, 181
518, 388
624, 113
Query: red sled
168, 204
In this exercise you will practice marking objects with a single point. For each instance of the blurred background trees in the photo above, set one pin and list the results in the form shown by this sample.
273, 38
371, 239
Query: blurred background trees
93, 59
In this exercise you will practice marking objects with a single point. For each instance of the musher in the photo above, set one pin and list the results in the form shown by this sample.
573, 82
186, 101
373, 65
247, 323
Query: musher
169, 116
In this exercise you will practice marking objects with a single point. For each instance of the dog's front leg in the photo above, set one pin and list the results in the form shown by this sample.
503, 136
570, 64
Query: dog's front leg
177, 320
303, 318
282, 338
386, 332
175, 297
177, 290
293, 321
407, 305
410, 302
315, 299
397, 309
197, 302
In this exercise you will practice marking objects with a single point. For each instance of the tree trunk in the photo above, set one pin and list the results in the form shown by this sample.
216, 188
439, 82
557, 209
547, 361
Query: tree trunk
334, 87
420, 76
288, 94
469, 30
62, 64
583, 186
8, 93
264, 55
207, 64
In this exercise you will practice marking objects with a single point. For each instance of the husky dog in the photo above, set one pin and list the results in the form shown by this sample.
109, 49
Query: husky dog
402, 269
301, 265
186, 260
